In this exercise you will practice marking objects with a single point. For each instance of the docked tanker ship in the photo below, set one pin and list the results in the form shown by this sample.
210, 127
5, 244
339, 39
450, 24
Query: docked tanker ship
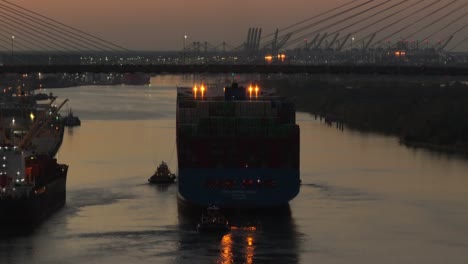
237, 147
32, 183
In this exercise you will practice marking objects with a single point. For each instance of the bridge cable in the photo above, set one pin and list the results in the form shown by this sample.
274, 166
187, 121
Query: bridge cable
66, 26
311, 18
28, 25
463, 40
366, 18
437, 20
417, 21
20, 31
45, 24
17, 44
446, 26
399, 20
333, 24
319, 22
383, 19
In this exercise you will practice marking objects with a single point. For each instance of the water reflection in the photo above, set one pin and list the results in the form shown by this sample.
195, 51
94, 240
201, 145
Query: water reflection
267, 236
10, 252
226, 250
227, 255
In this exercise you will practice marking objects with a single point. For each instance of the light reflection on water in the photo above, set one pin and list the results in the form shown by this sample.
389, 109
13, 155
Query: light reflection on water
364, 198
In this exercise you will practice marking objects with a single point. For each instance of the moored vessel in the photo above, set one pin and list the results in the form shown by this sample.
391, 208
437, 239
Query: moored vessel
31, 187
32, 183
237, 147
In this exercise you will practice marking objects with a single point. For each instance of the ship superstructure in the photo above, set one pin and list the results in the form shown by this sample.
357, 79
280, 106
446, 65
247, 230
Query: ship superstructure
237, 146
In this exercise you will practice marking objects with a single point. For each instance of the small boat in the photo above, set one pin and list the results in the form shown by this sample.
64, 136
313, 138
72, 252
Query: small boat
162, 175
213, 221
70, 120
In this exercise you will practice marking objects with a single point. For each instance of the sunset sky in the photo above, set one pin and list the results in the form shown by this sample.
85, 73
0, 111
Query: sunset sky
161, 25
156, 24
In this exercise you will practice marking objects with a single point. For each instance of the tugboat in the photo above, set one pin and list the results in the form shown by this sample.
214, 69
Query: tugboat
162, 175
70, 120
213, 221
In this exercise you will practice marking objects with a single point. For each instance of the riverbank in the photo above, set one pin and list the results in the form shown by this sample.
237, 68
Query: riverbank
431, 113
64, 80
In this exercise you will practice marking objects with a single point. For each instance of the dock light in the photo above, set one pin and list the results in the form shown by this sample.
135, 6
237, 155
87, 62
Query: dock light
13, 121
256, 90
31, 116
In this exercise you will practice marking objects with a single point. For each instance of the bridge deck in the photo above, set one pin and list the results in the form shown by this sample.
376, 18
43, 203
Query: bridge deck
242, 68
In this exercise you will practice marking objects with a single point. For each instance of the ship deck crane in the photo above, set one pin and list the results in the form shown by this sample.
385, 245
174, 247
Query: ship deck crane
39, 125
41, 118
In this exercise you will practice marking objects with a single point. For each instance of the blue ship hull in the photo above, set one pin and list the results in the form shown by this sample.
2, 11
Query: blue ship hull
237, 147
193, 188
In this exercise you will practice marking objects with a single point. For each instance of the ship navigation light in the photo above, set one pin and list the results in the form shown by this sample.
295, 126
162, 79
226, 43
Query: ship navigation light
202, 90
249, 240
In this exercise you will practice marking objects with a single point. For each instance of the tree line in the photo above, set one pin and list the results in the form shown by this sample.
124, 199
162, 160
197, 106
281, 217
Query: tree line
431, 113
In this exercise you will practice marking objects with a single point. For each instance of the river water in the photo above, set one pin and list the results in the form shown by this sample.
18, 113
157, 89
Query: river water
364, 198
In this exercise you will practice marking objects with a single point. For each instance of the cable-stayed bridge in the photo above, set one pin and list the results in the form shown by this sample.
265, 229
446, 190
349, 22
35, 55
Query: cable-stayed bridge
375, 35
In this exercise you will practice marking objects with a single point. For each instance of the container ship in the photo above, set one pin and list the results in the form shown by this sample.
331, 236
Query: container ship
32, 183
237, 147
